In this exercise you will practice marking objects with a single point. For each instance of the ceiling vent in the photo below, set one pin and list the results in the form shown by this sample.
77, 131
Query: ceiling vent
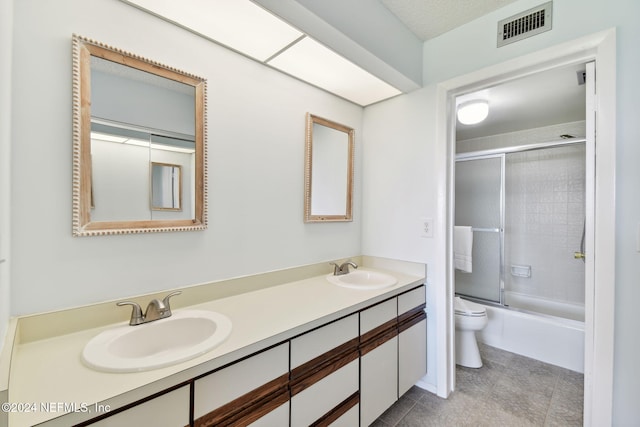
526, 24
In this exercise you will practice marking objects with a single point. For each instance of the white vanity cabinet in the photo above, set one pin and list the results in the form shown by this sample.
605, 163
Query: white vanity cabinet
325, 375
168, 410
253, 391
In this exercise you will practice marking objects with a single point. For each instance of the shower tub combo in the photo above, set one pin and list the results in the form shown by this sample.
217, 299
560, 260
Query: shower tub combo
526, 208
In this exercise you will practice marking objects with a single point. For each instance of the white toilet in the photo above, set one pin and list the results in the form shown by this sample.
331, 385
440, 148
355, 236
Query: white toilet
470, 317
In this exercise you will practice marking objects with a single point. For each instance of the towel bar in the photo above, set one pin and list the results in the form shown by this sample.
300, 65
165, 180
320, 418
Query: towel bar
486, 230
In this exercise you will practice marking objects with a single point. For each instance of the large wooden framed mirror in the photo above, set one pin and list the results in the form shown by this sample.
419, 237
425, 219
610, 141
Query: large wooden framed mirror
328, 171
135, 120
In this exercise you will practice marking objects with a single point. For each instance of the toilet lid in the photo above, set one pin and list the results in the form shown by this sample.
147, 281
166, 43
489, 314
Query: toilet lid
467, 308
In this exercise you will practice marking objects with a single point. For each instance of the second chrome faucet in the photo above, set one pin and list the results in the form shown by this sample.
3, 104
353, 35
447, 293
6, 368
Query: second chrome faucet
157, 309
339, 270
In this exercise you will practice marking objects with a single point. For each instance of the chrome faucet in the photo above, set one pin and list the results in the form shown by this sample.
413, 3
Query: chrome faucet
339, 270
157, 309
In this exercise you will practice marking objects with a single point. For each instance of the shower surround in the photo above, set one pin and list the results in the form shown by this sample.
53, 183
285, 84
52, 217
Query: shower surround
527, 275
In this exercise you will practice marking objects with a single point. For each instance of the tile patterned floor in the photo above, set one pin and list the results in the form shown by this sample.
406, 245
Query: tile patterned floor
508, 391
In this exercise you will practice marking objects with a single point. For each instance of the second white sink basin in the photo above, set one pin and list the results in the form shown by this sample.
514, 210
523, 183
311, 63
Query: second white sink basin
363, 279
183, 336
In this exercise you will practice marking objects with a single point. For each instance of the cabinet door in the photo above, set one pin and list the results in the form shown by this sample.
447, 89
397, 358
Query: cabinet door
243, 387
378, 381
412, 356
412, 338
379, 360
169, 410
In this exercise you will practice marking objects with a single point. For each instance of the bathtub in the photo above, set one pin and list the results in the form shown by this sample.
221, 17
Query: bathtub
551, 339
545, 306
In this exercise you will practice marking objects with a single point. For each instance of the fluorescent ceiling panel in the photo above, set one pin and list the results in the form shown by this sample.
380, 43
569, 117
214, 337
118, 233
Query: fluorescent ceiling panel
108, 138
247, 28
312, 62
238, 24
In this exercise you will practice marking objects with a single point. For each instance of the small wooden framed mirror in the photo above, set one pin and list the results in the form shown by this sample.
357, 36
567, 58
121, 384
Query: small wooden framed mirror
328, 171
166, 187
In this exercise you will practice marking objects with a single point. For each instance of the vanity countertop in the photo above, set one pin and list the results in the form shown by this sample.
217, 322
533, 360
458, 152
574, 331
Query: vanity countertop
50, 382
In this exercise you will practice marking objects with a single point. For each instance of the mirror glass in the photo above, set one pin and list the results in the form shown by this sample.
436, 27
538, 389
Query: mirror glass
139, 144
328, 170
166, 187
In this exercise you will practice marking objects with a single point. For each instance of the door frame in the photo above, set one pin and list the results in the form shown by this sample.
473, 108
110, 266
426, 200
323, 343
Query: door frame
600, 272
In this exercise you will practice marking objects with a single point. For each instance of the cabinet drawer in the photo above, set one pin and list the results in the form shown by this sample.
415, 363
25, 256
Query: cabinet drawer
412, 299
266, 372
322, 340
170, 409
323, 396
378, 315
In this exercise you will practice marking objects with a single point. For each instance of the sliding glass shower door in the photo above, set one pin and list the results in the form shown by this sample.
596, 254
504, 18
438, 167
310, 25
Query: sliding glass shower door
479, 202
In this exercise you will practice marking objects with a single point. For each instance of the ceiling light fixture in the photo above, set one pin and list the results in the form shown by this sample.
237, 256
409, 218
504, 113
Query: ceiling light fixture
473, 112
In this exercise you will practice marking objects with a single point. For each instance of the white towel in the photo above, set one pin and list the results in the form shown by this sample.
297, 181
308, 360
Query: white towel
462, 247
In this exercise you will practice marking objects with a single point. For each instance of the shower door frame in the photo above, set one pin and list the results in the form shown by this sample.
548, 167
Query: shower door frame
502, 153
483, 155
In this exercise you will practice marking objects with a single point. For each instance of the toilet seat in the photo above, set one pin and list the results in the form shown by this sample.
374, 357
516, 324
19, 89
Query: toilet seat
468, 308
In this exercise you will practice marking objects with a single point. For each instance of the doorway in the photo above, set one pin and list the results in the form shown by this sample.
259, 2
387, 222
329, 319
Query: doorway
599, 273
522, 192
525, 207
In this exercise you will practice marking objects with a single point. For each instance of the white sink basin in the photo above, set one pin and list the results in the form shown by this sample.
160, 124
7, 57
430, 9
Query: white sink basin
183, 336
363, 279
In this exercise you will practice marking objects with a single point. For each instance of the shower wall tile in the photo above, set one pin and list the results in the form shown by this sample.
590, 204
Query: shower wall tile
544, 216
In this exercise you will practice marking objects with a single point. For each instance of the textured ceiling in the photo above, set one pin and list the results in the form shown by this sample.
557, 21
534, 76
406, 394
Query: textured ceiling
430, 18
544, 99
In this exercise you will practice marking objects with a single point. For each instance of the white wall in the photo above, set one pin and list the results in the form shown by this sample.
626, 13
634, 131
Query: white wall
6, 31
256, 128
406, 181
407, 135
